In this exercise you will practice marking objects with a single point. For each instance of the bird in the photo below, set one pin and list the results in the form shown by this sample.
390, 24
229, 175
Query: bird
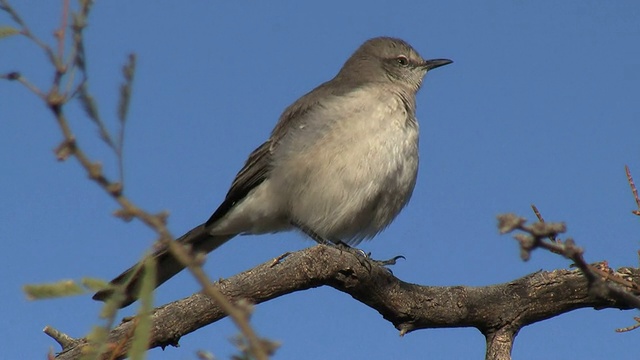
339, 165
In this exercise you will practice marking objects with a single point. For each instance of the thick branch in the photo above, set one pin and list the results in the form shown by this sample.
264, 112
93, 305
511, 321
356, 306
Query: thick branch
409, 307
500, 343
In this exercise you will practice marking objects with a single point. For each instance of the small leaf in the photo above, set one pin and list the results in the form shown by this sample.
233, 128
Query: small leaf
94, 284
6, 31
148, 284
112, 305
547, 229
509, 222
53, 290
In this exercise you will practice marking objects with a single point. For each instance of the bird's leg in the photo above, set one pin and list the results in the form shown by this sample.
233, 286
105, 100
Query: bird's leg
312, 234
344, 246
333, 242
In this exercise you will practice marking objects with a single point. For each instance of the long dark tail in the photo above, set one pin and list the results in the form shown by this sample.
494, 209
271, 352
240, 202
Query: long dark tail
197, 238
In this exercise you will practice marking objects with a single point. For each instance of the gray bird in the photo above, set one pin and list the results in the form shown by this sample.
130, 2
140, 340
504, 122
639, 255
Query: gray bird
339, 166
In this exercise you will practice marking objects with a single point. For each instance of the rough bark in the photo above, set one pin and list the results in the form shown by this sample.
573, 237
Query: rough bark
498, 311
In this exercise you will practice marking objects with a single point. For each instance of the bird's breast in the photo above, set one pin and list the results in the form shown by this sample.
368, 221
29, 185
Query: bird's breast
351, 165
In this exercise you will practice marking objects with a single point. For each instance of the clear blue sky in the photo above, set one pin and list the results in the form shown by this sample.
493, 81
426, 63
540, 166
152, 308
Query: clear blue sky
541, 106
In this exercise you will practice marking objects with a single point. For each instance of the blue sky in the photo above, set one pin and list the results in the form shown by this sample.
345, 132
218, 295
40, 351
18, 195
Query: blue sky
540, 106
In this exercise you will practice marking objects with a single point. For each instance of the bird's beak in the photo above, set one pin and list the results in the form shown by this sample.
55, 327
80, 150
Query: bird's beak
432, 64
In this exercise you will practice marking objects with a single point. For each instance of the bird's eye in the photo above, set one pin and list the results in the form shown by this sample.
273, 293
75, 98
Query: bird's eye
402, 60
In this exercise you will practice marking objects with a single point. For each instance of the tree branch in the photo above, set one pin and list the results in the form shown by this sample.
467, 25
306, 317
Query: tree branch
498, 311
500, 343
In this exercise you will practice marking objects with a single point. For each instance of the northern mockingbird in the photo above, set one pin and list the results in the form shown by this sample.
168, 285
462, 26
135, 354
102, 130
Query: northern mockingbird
339, 166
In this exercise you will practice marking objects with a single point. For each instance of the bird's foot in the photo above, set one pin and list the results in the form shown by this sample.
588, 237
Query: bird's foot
365, 258
387, 262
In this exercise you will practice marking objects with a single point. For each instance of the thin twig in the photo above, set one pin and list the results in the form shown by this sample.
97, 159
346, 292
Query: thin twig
634, 190
128, 71
602, 273
60, 34
632, 327
537, 232
4, 5
16, 76
55, 100
541, 219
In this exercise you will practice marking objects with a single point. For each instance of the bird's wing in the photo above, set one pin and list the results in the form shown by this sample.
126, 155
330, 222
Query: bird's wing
259, 163
252, 174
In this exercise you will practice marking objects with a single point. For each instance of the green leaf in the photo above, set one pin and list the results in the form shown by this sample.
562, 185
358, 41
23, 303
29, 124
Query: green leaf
97, 340
142, 333
52, 290
94, 284
6, 31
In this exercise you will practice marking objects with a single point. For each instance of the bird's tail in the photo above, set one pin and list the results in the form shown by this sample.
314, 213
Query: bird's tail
167, 265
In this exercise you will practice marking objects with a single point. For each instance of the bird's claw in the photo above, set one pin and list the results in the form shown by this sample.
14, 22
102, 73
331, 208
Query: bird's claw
388, 262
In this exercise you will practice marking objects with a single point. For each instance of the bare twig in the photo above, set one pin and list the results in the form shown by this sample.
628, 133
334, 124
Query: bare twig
632, 327
16, 76
4, 6
123, 110
60, 33
634, 191
541, 219
63, 339
534, 238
